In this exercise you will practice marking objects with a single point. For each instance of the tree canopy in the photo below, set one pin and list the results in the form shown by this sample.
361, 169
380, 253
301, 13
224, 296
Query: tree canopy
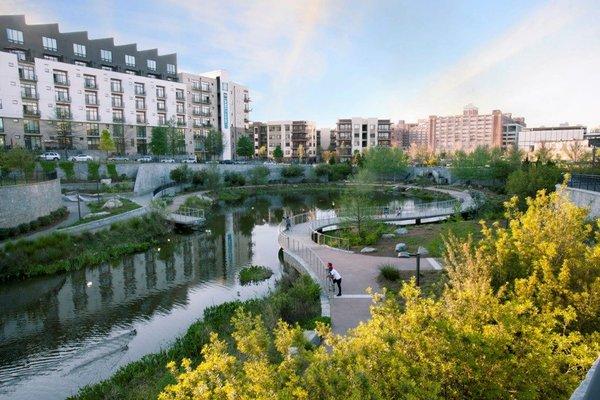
278, 153
245, 147
213, 143
158, 142
106, 142
385, 162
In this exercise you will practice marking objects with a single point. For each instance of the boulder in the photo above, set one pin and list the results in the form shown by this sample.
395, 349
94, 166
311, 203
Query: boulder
368, 250
422, 251
388, 236
401, 247
401, 231
105, 181
403, 254
112, 203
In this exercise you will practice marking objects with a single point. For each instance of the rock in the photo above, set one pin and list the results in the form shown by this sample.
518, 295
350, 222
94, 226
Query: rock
401, 231
403, 254
388, 236
368, 250
113, 203
98, 214
312, 337
401, 247
422, 251
105, 181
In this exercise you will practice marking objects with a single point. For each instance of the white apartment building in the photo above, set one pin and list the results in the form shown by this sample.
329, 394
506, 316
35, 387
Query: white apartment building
357, 134
561, 140
323, 138
290, 136
39, 96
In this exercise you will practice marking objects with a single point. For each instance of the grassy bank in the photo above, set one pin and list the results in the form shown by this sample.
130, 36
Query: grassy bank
60, 252
294, 300
96, 207
254, 273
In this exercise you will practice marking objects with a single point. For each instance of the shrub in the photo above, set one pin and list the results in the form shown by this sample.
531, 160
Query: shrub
198, 177
111, 169
212, 179
68, 168
181, 174
93, 171
46, 220
197, 203
259, 175
254, 273
322, 170
389, 272
48, 166
292, 171
234, 179
333, 172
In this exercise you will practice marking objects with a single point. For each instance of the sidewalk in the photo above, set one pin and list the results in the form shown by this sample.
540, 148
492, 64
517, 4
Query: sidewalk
359, 272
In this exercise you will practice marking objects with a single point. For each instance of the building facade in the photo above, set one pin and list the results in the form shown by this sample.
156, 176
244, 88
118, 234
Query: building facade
61, 90
355, 135
296, 139
563, 142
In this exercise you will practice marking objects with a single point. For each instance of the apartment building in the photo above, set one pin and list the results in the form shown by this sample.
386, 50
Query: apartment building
564, 142
258, 132
290, 136
468, 131
60, 90
323, 138
357, 134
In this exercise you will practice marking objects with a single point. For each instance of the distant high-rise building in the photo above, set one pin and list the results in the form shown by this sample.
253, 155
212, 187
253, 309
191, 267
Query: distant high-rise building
293, 137
563, 142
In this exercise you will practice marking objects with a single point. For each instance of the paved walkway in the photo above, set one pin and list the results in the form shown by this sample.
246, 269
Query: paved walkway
359, 272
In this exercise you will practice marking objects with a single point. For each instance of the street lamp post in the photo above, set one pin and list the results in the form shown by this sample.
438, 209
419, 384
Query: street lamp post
421, 251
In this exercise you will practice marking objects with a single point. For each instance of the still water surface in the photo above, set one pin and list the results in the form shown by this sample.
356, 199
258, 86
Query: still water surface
62, 332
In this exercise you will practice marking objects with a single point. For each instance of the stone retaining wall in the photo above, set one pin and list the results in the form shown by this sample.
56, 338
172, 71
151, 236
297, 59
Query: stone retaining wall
584, 198
24, 203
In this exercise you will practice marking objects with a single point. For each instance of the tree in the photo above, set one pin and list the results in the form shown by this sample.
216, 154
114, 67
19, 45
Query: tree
262, 151
106, 142
419, 154
526, 182
64, 130
544, 154
278, 153
577, 152
213, 143
17, 160
385, 162
245, 147
300, 152
158, 142
326, 155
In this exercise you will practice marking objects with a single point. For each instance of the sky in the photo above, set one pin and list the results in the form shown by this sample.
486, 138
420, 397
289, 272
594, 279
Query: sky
321, 60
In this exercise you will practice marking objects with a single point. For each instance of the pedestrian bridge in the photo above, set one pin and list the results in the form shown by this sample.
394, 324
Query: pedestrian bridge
186, 216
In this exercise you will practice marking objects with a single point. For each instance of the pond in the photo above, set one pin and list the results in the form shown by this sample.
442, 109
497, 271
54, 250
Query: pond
64, 331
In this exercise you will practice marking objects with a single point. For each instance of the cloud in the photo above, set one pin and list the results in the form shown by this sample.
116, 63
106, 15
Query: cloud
541, 68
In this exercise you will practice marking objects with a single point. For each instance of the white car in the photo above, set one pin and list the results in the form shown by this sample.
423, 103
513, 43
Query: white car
50, 156
167, 160
118, 158
189, 160
81, 157
144, 159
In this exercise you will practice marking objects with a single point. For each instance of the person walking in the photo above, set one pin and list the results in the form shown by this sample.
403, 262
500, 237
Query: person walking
335, 277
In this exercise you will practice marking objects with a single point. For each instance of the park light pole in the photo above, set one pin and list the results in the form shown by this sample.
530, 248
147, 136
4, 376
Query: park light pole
421, 251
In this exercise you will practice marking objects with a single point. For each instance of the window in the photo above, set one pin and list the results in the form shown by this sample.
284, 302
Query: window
162, 119
160, 105
205, 87
91, 114
81, 63
27, 72
106, 68
62, 95
89, 82
91, 98
51, 58
118, 116
31, 126
60, 78
130, 72
117, 100
151, 65
93, 143
180, 108
139, 88
140, 117
28, 91
106, 55
49, 43
160, 92
179, 94
79, 50
14, 36
140, 104
171, 68
21, 55
129, 60
115, 86
92, 129
141, 132
1, 125
196, 85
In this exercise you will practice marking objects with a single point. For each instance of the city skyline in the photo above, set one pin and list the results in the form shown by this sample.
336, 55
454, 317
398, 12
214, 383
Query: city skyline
326, 59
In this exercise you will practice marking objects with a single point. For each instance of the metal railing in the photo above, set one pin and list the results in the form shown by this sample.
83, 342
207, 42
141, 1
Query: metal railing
584, 181
190, 212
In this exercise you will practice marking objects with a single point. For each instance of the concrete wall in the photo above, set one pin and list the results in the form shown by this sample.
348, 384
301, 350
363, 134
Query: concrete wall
27, 202
105, 222
81, 170
150, 176
584, 198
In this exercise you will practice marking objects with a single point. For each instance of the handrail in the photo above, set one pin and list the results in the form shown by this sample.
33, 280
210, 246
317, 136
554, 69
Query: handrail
190, 212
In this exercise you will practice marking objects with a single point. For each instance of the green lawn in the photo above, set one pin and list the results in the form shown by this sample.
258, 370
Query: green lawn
96, 206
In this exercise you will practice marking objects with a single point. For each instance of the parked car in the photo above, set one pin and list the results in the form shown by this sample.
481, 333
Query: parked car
50, 156
189, 160
118, 158
167, 160
81, 157
226, 162
144, 159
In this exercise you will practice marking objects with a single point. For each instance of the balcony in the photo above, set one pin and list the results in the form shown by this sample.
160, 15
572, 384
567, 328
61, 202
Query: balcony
160, 107
195, 86
34, 130
116, 88
180, 123
64, 115
246, 120
117, 104
179, 96
31, 112
196, 100
91, 101
62, 98
140, 91
180, 110
27, 76
118, 120
29, 95
247, 109
90, 85
196, 112
205, 101
60, 80
205, 113
197, 125
247, 99
205, 89
92, 117
206, 124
